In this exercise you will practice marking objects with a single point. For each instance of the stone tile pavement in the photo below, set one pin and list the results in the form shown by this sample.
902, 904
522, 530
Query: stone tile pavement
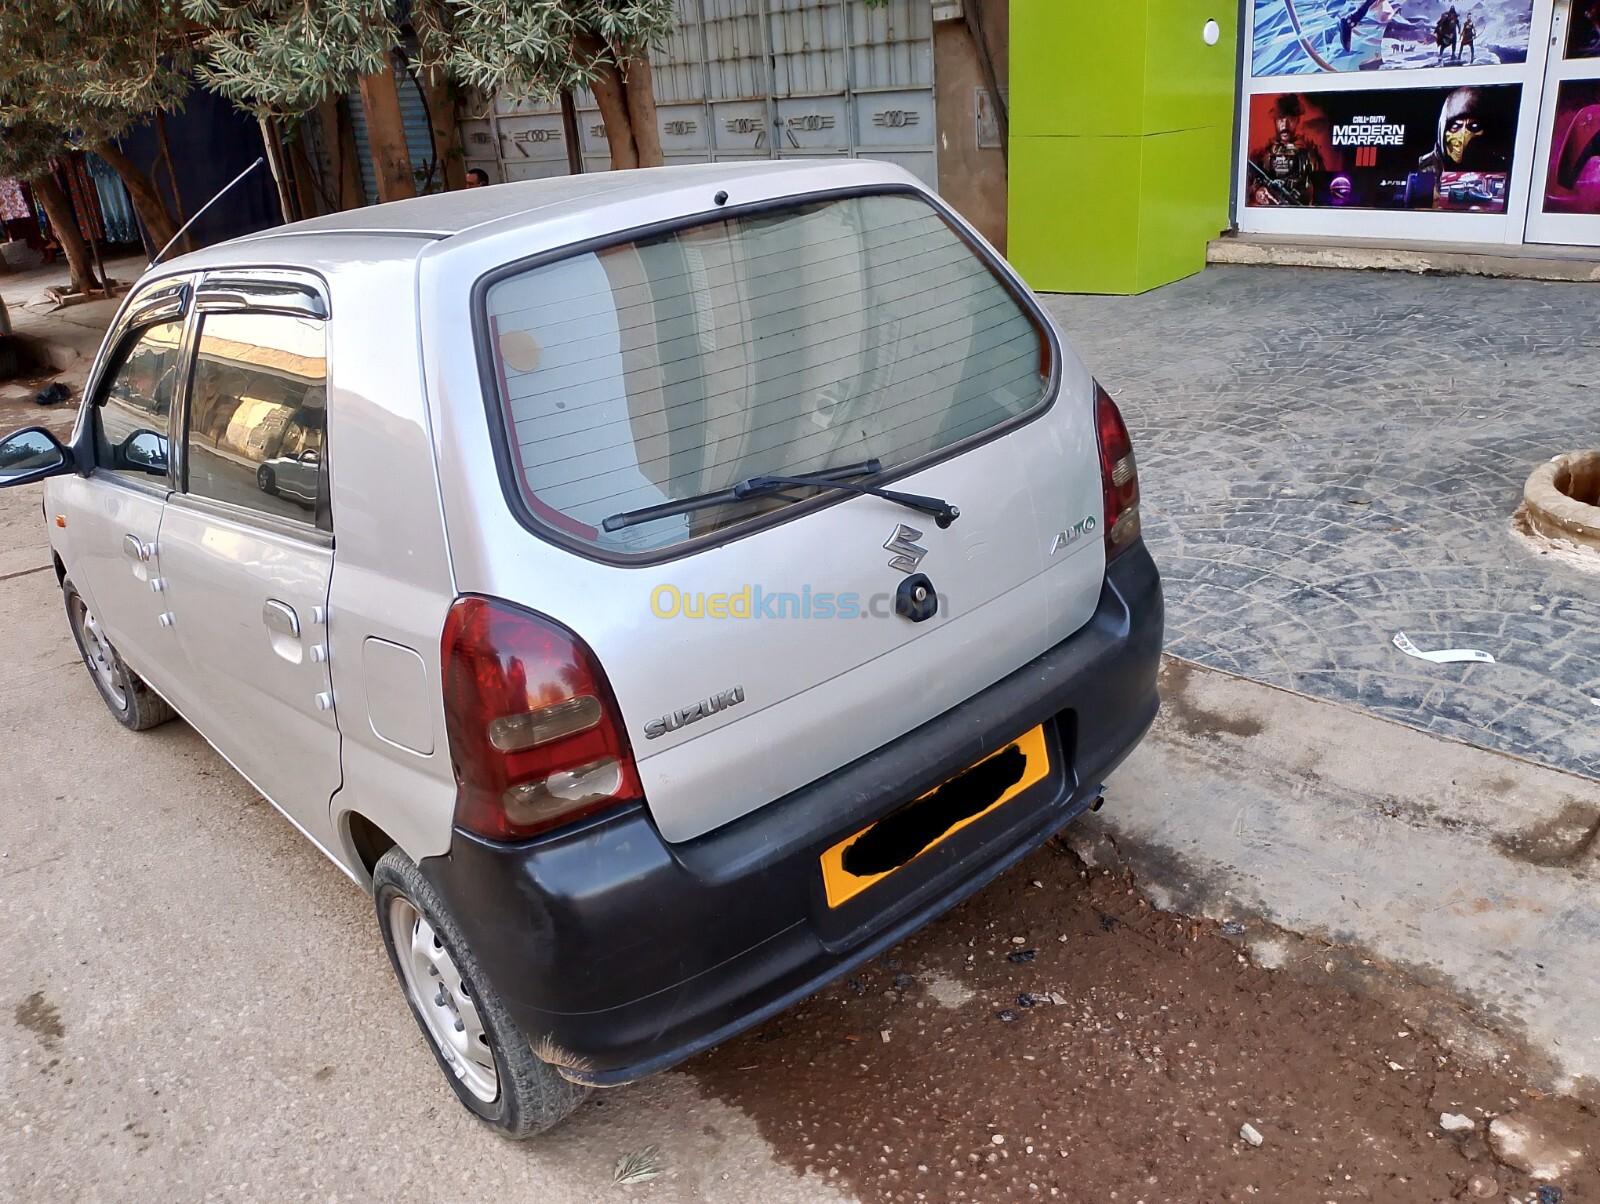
1329, 457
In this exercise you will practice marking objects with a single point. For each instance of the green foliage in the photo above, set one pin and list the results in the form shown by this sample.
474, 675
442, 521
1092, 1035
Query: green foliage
81, 71
26, 147
76, 72
287, 56
537, 48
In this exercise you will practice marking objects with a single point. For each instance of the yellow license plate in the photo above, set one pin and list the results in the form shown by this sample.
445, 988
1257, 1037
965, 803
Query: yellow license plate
874, 853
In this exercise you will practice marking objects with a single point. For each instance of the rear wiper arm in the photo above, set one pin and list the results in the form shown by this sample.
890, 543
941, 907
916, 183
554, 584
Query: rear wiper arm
768, 485
943, 512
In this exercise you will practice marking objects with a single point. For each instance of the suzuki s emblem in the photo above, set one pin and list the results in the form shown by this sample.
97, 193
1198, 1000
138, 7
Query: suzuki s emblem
906, 552
1084, 526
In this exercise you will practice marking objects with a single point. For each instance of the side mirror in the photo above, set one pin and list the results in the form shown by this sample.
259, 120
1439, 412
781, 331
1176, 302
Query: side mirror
143, 451
310, 456
32, 454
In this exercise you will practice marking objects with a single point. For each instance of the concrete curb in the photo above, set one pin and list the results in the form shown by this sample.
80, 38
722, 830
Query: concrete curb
1470, 871
1448, 259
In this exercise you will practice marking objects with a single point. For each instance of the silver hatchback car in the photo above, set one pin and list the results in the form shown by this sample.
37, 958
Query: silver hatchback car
662, 590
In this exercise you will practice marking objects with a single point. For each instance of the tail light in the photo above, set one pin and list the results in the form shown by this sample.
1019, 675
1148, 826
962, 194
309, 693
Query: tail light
536, 739
1119, 477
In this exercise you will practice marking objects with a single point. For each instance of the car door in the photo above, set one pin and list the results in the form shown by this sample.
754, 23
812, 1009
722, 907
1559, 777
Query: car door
247, 567
113, 514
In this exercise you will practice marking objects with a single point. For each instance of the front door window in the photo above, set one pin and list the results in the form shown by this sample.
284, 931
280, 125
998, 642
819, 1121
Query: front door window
132, 414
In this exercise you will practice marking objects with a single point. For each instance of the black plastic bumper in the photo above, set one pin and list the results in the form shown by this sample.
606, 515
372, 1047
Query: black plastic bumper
629, 954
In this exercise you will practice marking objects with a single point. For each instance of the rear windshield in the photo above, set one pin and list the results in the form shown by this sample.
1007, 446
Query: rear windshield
673, 366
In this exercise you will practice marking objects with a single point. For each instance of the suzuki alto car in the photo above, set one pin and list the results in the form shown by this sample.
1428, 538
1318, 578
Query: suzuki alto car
662, 590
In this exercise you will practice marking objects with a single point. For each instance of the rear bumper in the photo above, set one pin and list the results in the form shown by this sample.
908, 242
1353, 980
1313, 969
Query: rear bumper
628, 954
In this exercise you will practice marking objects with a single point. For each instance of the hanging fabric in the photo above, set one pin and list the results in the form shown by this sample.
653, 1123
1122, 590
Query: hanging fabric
85, 200
115, 206
13, 201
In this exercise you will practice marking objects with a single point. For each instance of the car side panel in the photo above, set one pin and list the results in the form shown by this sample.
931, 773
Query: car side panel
392, 580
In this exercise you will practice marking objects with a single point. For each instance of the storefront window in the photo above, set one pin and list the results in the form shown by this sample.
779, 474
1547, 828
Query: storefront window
1427, 119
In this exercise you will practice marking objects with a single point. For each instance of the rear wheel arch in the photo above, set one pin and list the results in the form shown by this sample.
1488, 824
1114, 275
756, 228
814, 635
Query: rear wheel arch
367, 840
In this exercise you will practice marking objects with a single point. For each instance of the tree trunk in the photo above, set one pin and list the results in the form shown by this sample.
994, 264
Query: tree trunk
451, 170
610, 94
339, 139
386, 136
172, 172
273, 146
639, 90
304, 174
147, 202
64, 224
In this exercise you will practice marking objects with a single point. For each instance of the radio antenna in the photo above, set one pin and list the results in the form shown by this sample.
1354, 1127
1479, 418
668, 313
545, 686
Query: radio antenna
162, 254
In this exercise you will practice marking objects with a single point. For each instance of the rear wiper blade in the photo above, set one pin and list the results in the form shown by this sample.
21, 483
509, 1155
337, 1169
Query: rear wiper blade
770, 485
943, 512
632, 518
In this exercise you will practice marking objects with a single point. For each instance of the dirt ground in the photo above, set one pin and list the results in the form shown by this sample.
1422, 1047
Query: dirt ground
18, 408
1057, 1038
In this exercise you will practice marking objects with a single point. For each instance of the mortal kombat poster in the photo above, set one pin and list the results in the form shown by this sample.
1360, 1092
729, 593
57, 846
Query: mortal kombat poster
1411, 148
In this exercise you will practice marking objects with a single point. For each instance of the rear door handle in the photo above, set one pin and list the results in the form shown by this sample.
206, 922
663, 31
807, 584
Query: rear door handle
134, 549
281, 618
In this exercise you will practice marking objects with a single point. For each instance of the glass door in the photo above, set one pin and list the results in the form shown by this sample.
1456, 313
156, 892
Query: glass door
1565, 205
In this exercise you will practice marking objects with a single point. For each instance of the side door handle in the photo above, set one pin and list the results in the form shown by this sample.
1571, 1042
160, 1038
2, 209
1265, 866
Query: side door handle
135, 549
281, 619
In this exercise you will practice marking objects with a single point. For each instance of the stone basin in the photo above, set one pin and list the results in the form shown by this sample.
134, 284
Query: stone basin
1561, 499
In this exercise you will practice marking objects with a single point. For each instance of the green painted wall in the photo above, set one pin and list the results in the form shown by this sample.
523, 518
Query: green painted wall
1121, 140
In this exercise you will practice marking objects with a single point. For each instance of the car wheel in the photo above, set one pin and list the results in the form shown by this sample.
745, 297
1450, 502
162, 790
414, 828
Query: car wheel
267, 479
486, 1058
136, 706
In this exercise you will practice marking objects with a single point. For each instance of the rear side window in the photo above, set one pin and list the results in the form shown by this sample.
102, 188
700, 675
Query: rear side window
258, 415
784, 342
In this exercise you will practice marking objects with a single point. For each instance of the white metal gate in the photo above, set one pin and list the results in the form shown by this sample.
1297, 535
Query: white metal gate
754, 79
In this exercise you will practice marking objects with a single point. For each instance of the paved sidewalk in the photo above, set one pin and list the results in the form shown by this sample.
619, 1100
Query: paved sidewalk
1331, 457
65, 338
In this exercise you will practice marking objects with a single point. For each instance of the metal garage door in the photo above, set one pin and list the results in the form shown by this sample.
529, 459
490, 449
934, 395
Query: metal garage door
755, 79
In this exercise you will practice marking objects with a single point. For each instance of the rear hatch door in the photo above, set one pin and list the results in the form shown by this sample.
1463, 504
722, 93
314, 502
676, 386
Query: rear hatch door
753, 645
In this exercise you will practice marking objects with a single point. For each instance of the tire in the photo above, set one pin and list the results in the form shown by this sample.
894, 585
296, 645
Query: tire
267, 479
136, 706
528, 1096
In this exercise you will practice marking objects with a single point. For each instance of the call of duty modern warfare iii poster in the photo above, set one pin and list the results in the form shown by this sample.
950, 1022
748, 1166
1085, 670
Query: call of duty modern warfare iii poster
1399, 148
1304, 37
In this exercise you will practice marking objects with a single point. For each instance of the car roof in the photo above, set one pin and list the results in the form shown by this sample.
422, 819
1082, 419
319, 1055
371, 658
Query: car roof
355, 234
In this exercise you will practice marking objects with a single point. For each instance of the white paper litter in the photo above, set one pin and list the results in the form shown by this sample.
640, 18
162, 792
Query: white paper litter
1444, 656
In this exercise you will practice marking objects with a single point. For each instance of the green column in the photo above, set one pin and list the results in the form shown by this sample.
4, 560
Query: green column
1121, 140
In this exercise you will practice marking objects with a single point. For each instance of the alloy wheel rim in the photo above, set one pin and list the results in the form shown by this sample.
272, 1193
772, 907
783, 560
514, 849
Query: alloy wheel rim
444, 1000
101, 656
